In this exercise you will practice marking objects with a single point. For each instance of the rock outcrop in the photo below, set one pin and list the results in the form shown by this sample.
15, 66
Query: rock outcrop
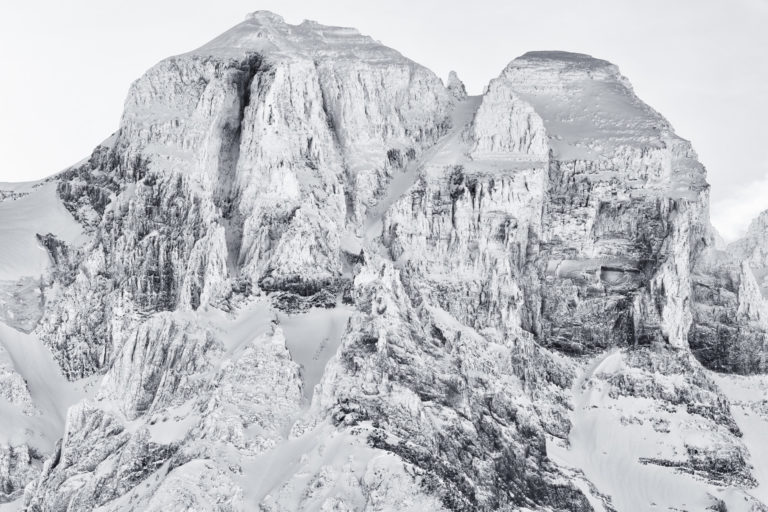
730, 331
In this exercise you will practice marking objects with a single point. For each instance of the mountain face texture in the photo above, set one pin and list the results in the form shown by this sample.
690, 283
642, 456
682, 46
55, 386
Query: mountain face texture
307, 275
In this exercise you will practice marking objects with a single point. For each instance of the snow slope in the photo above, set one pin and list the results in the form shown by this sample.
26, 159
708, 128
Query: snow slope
39, 211
51, 394
312, 338
749, 402
614, 439
34, 395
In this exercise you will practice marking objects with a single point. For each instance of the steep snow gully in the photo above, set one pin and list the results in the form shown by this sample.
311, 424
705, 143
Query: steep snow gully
307, 274
447, 151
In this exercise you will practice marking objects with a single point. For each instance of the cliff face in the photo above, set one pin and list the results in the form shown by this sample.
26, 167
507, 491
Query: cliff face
312, 277
730, 333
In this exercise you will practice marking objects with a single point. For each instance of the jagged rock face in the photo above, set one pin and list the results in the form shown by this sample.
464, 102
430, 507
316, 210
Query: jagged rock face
423, 380
625, 213
19, 462
239, 169
730, 331
602, 227
316, 278
753, 248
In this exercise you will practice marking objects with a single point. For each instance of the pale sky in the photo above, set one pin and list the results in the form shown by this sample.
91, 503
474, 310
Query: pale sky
66, 66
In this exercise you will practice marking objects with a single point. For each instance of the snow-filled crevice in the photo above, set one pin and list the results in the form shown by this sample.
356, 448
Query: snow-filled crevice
312, 338
443, 153
229, 156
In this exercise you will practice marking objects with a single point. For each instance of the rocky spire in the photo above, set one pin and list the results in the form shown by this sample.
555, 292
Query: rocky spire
456, 86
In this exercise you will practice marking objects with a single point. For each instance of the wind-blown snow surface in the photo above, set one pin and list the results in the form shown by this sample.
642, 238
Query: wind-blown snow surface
614, 439
305, 274
29, 211
34, 396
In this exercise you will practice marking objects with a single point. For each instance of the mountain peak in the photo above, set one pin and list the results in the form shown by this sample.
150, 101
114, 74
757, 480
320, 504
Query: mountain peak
264, 16
269, 34
567, 66
303, 261
589, 108
581, 59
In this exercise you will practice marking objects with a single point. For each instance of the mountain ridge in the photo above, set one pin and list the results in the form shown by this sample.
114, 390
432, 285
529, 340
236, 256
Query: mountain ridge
314, 276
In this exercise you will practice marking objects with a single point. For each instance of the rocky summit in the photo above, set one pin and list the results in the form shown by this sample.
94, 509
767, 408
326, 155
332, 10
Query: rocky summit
305, 274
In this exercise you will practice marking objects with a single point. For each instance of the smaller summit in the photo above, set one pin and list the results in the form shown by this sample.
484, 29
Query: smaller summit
589, 109
566, 66
456, 86
576, 59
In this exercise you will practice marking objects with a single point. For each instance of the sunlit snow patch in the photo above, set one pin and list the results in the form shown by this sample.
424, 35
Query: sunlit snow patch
313, 338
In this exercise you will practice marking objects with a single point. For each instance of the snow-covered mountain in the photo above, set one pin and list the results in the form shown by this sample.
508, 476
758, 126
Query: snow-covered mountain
306, 274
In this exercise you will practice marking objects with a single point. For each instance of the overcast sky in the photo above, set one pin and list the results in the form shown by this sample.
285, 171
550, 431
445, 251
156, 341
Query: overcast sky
66, 66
